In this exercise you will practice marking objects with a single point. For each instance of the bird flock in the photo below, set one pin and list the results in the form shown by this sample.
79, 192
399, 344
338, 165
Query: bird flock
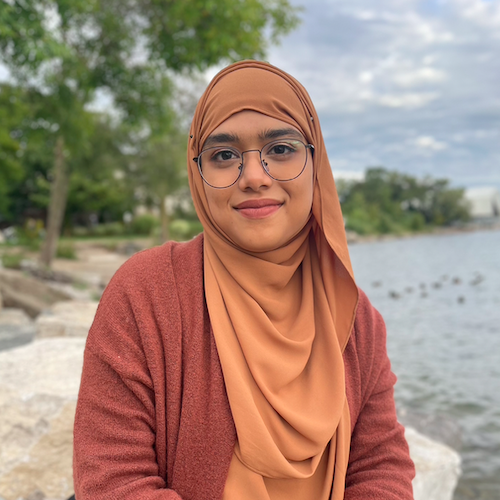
423, 289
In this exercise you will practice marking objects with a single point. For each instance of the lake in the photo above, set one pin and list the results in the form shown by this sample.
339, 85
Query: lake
440, 298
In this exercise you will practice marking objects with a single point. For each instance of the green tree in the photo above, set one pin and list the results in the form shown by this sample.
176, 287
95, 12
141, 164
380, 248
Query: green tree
159, 170
392, 202
12, 110
68, 50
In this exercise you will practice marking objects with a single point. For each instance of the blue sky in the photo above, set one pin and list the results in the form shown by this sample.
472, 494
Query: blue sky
410, 85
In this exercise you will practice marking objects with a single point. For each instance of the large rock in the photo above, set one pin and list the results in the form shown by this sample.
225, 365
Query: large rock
437, 466
38, 390
67, 319
27, 293
16, 328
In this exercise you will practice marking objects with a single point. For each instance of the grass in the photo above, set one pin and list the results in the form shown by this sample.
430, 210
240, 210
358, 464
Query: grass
12, 260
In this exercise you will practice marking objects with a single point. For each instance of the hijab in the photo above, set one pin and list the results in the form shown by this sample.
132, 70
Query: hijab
281, 318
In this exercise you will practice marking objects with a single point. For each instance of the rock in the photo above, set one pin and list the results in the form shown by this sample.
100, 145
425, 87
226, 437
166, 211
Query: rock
66, 319
437, 466
38, 390
439, 427
27, 293
37, 271
16, 328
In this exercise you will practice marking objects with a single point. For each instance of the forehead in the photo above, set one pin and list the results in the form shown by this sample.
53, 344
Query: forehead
250, 125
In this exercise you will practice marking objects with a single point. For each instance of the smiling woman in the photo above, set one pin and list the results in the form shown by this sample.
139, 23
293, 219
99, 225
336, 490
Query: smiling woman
245, 364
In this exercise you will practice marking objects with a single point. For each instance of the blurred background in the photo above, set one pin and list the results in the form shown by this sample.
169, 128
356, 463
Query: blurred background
96, 100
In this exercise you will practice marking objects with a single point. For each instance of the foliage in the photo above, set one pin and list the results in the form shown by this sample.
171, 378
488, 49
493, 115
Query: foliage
12, 110
144, 224
66, 250
392, 202
183, 230
12, 260
61, 54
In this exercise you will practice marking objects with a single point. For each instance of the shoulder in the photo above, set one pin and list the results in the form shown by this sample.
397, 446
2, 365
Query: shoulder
152, 284
152, 264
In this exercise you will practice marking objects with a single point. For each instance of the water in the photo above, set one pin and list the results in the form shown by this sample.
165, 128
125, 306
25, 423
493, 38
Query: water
440, 298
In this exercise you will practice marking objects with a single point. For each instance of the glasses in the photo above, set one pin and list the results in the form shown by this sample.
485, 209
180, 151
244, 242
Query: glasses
284, 160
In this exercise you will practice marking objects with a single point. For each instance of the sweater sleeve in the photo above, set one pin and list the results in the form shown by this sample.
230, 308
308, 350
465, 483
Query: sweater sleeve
115, 425
380, 467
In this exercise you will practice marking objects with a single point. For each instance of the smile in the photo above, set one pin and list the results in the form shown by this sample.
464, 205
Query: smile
258, 209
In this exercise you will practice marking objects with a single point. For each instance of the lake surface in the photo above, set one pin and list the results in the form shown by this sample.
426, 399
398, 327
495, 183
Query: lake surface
440, 298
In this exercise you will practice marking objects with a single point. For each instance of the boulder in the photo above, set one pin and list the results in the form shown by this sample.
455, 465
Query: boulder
66, 319
437, 466
38, 388
27, 293
16, 328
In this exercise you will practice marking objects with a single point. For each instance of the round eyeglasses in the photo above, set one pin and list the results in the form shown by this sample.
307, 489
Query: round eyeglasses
284, 160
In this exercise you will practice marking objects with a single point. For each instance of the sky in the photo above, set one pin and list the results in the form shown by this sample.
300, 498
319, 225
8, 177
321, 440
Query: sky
410, 85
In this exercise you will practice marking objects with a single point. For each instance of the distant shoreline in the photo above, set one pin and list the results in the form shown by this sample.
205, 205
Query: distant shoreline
473, 227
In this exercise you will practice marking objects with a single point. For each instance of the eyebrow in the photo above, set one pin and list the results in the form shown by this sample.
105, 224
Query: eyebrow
280, 132
226, 138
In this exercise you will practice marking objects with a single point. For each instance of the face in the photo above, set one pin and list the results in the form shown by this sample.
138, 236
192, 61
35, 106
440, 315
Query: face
259, 213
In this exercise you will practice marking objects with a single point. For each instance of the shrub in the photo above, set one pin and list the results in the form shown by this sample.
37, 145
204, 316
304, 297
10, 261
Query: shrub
66, 251
182, 230
13, 260
144, 224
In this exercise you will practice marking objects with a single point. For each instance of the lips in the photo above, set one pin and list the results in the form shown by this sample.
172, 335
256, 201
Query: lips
258, 209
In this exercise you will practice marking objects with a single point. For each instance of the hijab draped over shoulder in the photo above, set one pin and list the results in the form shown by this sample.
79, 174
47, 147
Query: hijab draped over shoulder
281, 318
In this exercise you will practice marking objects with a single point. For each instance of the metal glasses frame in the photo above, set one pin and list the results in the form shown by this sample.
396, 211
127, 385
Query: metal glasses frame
240, 167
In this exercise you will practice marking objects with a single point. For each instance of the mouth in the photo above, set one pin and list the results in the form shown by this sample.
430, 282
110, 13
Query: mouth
258, 209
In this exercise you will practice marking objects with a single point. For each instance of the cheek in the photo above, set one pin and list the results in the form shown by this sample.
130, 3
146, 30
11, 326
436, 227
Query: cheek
217, 203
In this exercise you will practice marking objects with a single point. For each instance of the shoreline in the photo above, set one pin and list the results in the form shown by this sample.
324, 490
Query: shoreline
354, 238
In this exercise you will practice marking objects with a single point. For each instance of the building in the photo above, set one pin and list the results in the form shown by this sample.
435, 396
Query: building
484, 202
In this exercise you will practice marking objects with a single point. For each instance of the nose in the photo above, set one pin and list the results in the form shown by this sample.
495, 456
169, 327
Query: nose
253, 176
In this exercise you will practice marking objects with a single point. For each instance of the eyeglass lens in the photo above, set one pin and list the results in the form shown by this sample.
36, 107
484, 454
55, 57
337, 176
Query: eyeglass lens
283, 160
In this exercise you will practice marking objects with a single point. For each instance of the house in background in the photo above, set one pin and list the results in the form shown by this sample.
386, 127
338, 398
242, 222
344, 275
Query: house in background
484, 203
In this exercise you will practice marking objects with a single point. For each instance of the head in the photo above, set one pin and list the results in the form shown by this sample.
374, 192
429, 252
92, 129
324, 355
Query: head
246, 106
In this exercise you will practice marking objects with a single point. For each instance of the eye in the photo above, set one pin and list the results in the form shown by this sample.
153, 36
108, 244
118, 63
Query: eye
224, 155
281, 150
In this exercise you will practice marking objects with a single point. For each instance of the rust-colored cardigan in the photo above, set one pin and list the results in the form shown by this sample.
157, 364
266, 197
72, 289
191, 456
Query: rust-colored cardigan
153, 421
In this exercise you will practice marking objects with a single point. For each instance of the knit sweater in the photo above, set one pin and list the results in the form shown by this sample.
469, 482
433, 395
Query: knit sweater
153, 420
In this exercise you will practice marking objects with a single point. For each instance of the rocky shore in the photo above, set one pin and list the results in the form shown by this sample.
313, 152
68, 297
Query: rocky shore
41, 359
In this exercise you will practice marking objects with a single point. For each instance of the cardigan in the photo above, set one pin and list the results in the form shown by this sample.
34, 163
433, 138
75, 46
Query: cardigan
153, 421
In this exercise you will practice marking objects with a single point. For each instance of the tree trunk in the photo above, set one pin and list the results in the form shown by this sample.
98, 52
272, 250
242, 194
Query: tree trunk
165, 221
57, 205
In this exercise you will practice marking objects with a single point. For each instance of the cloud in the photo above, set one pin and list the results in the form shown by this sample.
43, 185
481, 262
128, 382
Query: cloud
428, 142
411, 85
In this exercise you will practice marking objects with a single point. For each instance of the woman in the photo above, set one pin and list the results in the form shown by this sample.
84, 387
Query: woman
244, 364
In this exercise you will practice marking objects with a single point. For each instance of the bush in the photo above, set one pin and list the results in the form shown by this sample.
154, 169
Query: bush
13, 260
66, 251
182, 230
80, 231
144, 224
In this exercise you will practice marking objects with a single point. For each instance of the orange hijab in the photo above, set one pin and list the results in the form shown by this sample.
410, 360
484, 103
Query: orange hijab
281, 319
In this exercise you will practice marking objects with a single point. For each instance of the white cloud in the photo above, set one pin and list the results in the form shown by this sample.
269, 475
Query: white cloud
401, 100
419, 76
428, 142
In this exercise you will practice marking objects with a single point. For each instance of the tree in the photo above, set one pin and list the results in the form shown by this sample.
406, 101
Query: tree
68, 50
12, 110
392, 202
159, 169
